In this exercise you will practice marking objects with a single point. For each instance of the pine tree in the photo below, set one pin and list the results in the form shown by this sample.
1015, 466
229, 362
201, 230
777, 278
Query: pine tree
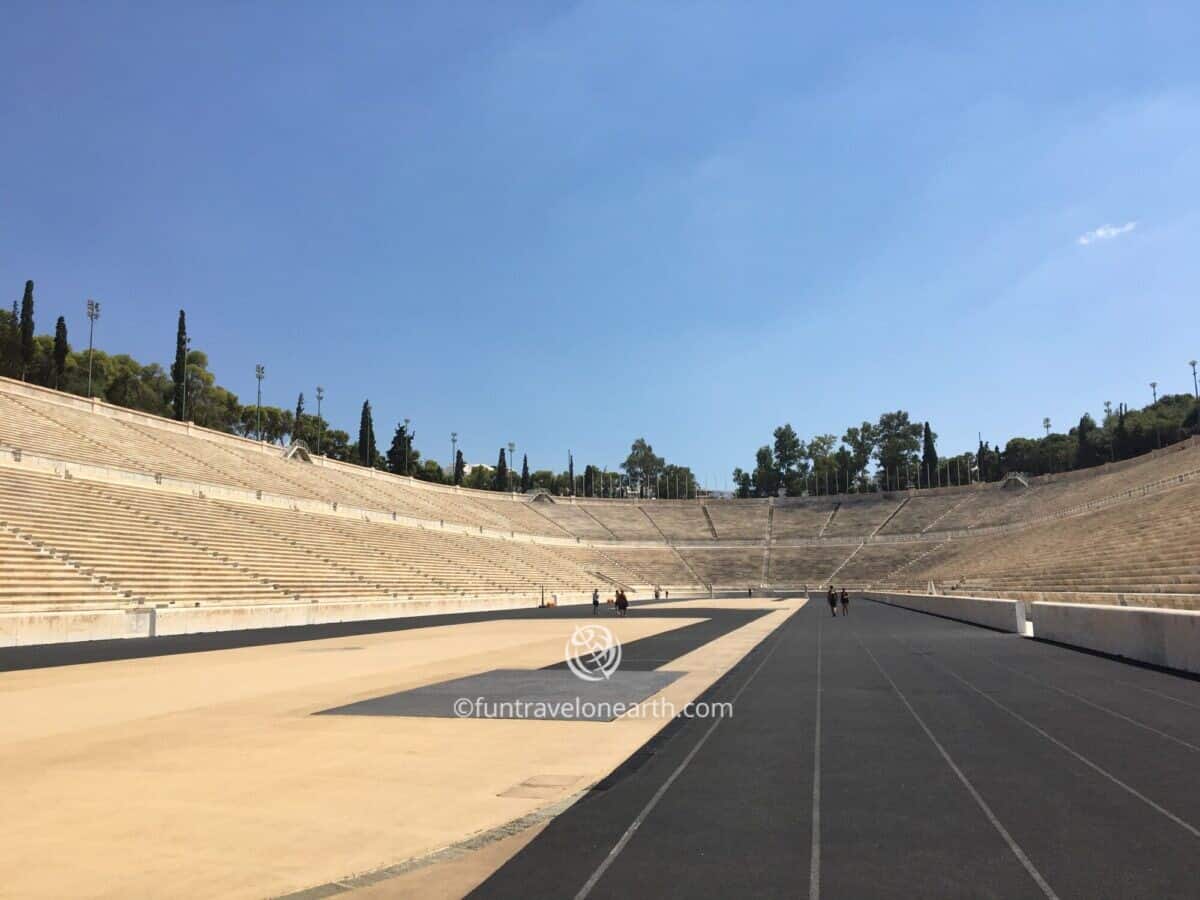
179, 369
10, 342
61, 349
366, 437
27, 329
459, 465
396, 455
987, 462
298, 421
929, 457
500, 476
525, 482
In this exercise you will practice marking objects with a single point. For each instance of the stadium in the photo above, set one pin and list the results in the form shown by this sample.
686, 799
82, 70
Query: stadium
185, 574
599, 450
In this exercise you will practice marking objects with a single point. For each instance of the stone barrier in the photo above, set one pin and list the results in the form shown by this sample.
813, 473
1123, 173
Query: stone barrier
19, 629
1002, 615
1162, 637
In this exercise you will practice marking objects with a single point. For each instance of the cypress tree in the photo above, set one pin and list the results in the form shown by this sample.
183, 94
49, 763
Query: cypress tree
298, 422
571, 473
61, 349
366, 437
525, 482
500, 476
459, 465
26, 329
179, 368
929, 457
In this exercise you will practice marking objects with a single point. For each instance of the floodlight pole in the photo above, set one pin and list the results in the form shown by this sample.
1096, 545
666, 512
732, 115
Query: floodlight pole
94, 313
453, 453
512, 448
187, 351
407, 444
1157, 433
320, 423
259, 373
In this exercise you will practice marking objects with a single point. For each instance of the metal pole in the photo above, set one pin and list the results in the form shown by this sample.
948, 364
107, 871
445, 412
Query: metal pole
259, 372
320, 422
406, 444
1195, 384
94, 313
187, 348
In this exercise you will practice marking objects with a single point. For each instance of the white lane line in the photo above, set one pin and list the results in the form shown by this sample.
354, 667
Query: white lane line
1158, 694
987, 810
1095, 705
814, 866
658, 795
1186, 826
1093, 674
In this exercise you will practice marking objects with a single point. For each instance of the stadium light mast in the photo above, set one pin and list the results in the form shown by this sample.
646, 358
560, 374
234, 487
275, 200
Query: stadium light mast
407, 444
93, 313
320, 424
259, 373
1157, 433
187, 351
453, 451
512, 448
1195, 386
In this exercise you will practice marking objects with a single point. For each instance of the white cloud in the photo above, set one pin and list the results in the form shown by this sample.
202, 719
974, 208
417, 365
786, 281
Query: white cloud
1106, 233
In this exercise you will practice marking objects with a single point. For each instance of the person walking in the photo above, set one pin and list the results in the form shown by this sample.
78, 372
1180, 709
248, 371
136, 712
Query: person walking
595, 601
845, 598
622, 603
832, 598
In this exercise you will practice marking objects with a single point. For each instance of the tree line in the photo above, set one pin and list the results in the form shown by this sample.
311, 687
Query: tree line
891, 453
896, 453
188, 391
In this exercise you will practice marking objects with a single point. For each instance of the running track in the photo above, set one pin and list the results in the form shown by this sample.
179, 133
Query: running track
896, 754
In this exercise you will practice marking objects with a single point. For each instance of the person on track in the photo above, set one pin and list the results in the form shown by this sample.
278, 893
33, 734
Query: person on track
595, 601
845, 598
832, 598
622, 603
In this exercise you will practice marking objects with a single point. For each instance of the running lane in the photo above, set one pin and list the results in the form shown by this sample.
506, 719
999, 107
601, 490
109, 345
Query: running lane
894, 754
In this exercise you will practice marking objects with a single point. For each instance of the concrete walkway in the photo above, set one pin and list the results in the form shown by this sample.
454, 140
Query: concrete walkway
198, 767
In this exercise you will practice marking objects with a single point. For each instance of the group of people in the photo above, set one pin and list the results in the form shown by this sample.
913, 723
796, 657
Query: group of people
833, 597
620, 601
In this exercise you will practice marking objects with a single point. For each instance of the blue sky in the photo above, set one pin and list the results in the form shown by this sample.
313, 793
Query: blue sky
569, 225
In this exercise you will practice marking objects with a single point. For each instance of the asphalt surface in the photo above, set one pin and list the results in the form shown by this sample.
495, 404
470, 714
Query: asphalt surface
646, 654
895, 754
